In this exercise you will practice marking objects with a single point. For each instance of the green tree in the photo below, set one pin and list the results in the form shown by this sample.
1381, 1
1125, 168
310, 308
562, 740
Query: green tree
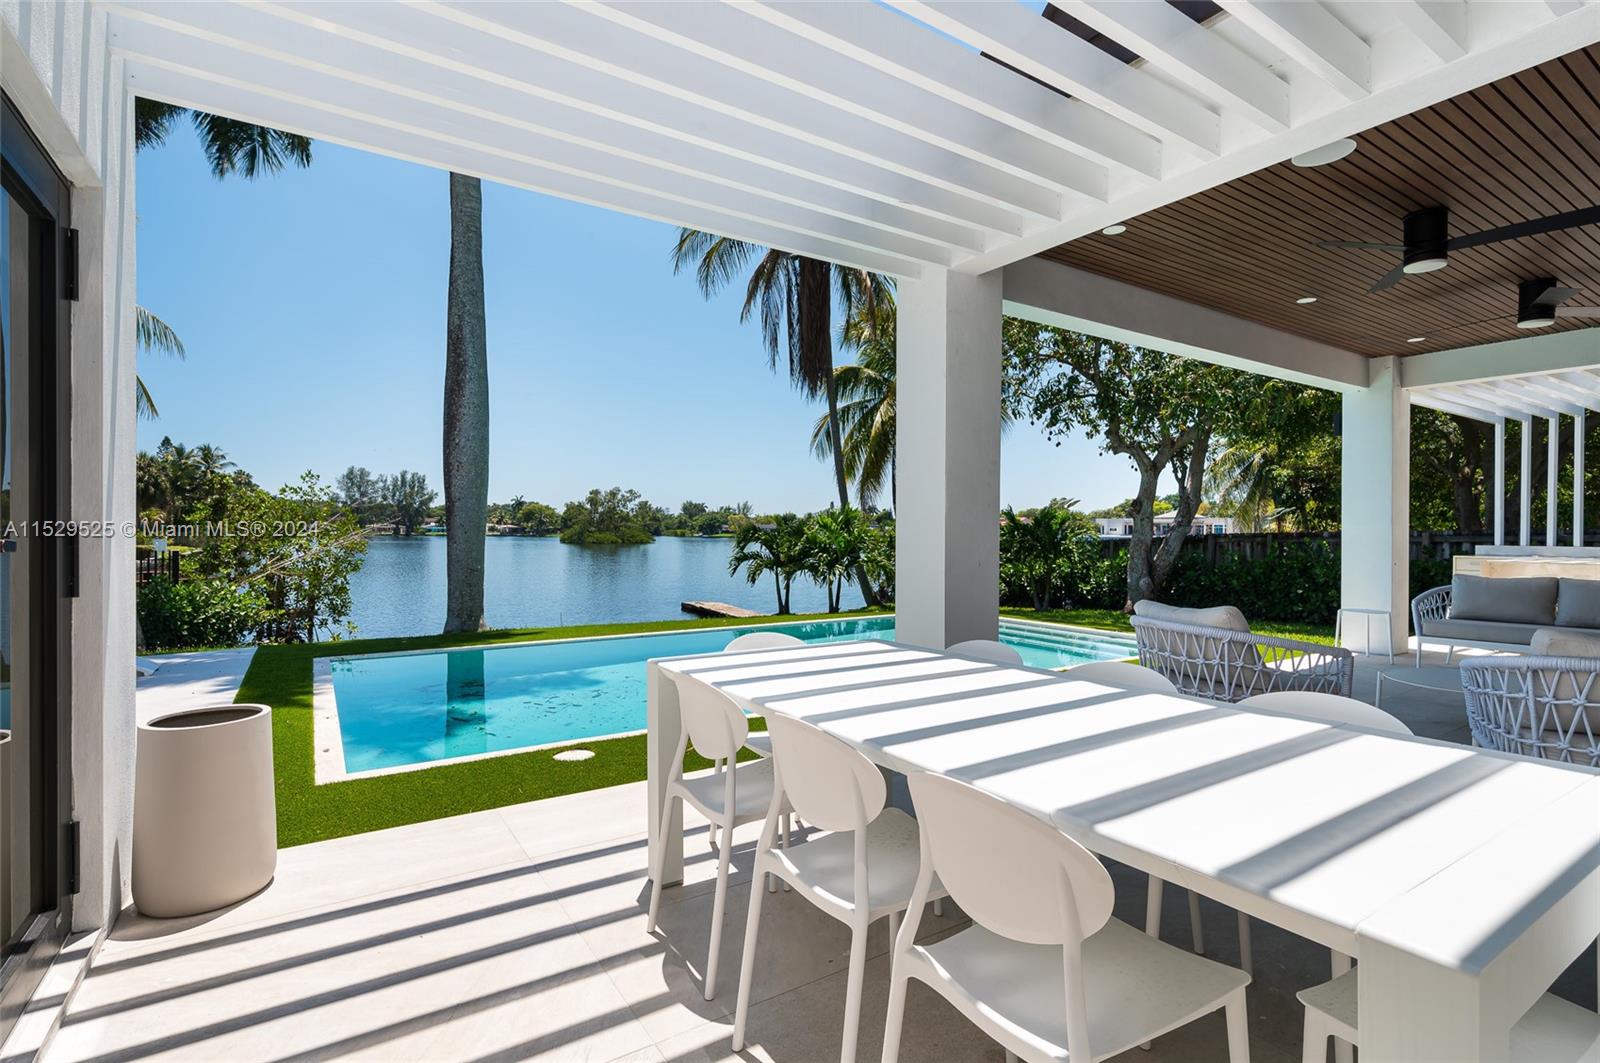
231, 147
1038, 548
409, 500
361, 492
794, 298
537, 518
1158, 410
605, 518
776, 549
466, 411
835, 541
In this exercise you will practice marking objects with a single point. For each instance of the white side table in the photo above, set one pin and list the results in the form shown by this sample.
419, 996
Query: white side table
1367, 617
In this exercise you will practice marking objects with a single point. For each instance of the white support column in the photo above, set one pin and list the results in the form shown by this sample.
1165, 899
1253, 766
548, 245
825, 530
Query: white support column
1578, 427
1500, 482
947, 454
1376, 502
1551, 475
1525, 487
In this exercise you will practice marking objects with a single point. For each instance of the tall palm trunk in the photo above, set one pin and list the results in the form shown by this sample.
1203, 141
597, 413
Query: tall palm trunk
466, 411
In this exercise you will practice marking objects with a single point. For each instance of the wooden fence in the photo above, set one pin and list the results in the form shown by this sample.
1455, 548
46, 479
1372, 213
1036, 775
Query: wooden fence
1251, 546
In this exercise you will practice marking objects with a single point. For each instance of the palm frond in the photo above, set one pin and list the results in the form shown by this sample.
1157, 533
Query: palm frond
155, 334
153, 121
144, 404
246, 149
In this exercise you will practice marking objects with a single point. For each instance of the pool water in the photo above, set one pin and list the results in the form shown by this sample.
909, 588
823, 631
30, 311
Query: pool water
412, 708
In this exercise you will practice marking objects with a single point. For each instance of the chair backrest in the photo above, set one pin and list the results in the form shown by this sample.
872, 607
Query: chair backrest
1007, 870
1226, 664
715, 724
762, 640
989, 650
827, 782
1537, 706
1124, 675
1316, 705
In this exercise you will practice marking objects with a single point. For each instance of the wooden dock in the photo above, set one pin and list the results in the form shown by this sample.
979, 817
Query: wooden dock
718, 609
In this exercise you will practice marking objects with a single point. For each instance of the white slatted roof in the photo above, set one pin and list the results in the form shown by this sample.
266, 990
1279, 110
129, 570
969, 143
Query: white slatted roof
1569, 392
870, 134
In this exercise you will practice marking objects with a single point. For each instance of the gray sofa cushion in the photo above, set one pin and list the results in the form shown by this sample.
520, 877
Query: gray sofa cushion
1578, 603
1527, 600
1223, 616
1489, 631
1565, 642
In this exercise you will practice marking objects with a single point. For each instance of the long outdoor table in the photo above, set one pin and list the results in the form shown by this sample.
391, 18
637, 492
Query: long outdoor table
1464, 880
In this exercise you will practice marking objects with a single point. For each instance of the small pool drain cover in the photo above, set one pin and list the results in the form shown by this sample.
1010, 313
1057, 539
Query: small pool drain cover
574, 754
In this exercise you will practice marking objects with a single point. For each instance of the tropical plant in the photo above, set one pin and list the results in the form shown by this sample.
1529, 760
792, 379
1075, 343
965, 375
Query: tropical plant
537, 518
866, 408
1038, 547
408, 499
466, 411
613, 517
794, 298
231, 147
776, 549
834, 544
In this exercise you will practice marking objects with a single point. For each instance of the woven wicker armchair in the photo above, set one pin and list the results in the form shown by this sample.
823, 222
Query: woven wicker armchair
1227, 665
1545, 707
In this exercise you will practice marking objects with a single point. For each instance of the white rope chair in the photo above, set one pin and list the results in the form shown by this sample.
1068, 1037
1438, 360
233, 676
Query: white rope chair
1545, 707
1227, 665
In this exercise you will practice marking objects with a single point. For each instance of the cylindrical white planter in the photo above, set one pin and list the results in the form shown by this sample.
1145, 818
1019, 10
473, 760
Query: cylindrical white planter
205, 824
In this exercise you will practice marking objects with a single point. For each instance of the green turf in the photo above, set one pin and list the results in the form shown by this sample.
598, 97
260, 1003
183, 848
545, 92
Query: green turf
1116, 620
280, 676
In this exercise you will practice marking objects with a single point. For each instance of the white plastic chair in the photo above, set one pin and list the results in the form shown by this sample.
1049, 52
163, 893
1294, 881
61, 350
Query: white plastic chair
1124, 675
1044, 969
1137, 677
761, 742
729, 797
987, 649
1330, 708
863, 870
1553, 1030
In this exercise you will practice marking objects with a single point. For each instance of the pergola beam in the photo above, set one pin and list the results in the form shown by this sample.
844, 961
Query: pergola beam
1012, 33
871, 33
1441, 25
1309, 34
1204, 61
1460, 408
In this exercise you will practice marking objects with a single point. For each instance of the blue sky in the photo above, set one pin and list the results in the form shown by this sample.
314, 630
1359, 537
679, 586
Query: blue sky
312, 308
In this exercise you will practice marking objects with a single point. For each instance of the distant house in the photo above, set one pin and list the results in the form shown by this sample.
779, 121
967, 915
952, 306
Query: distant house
1122, 527
380, 529
503, 529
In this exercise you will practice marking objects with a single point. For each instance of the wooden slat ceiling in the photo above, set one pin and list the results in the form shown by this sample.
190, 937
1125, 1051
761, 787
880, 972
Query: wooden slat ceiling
1524, 147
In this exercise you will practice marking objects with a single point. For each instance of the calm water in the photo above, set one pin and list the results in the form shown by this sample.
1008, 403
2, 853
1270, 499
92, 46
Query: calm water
532, 582
418, 707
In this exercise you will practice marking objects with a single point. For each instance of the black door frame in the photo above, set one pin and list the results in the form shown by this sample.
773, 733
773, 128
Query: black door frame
29, 176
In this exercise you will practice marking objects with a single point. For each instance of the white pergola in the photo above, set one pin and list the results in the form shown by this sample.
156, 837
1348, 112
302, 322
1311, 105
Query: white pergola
943, 143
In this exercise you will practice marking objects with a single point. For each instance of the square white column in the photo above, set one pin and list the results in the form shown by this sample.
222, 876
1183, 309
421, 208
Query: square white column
947, 459
1375, 493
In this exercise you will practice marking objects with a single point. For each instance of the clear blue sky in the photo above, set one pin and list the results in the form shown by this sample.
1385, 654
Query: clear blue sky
312, 305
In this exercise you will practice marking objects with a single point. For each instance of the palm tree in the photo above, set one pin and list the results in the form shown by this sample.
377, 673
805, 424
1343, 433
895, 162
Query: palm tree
834, 542
231, 147
794, 298
866, 414
466, 411
1240, 477
1036, 547
777, 549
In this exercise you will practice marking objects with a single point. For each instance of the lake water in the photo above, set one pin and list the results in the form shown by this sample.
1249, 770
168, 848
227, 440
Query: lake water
535, 582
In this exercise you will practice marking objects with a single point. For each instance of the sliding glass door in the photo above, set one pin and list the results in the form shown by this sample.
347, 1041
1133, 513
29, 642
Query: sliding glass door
34, 875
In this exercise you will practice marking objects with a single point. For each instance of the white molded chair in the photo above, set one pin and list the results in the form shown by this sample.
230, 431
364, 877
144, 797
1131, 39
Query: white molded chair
989, 650
1122, 674
863, 870
1331, 708
1138, 677
761, 742
1044, 969
730, 796
1553, 1030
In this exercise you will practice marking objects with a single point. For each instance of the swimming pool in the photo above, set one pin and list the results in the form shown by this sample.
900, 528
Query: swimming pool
410, 709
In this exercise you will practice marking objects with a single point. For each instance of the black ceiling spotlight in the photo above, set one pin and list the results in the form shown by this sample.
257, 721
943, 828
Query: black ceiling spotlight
1428, 242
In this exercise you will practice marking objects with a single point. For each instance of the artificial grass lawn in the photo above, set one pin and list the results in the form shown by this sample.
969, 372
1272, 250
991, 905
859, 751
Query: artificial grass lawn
280, 676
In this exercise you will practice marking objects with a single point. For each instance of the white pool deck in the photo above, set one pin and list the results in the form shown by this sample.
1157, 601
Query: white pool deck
518, 933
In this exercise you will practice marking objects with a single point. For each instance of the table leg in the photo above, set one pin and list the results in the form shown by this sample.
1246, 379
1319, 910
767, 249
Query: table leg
1414, 1010
664, 727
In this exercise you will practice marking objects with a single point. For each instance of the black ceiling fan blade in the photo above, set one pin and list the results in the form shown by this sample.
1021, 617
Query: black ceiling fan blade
1532, 227
1388, 280
1555, 296
1363, 245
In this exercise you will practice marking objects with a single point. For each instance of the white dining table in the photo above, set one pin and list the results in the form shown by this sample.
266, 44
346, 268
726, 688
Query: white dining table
1463, 880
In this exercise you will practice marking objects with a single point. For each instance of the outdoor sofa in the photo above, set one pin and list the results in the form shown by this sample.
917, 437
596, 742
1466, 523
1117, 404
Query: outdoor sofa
1212, 653
1503, 614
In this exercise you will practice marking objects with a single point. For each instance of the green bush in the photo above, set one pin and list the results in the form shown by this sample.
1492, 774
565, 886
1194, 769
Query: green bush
198, 613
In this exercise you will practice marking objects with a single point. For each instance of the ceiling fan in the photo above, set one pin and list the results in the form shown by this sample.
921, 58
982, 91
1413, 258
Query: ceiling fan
1538, 306
1428, 243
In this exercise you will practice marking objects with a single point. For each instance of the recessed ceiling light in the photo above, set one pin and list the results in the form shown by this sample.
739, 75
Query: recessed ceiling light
1417, 339
1325, 154
1114, 230
1306, 300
